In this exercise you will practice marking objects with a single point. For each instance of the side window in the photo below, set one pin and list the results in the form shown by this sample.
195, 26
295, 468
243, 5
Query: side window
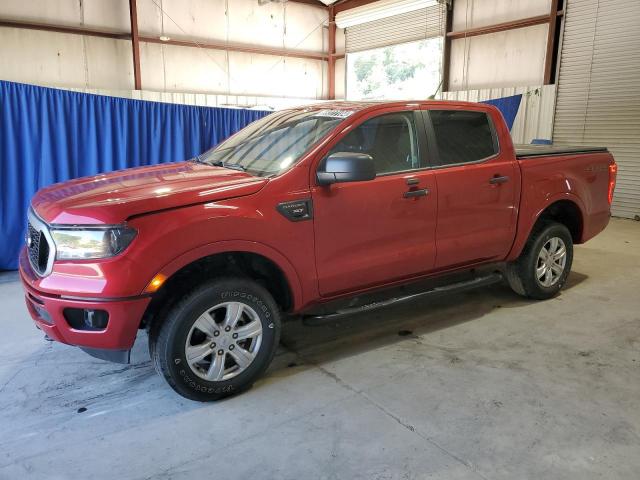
390, 139
463, 136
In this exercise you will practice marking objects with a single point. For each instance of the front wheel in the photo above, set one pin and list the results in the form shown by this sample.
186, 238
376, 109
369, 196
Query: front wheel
218, 340
544, 265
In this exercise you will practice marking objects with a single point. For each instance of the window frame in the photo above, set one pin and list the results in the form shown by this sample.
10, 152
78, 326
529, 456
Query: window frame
432, 139
420, 133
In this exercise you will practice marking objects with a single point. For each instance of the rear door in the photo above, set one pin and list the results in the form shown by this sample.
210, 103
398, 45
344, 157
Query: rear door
374, 232
478, 186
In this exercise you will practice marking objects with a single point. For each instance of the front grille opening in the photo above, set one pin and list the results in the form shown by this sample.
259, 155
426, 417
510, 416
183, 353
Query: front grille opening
34, 246
43, 254
38, 249
86, 319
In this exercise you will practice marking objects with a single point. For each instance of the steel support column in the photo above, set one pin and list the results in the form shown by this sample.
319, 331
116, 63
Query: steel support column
331, 67
446, 52
135, 44
551, 43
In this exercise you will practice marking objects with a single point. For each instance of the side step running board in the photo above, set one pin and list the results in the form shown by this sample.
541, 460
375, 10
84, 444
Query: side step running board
452, 288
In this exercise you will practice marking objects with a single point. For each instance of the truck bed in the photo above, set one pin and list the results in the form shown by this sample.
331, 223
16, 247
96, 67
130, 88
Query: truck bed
530, 151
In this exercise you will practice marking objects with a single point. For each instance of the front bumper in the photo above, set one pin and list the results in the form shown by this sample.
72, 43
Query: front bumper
111, 343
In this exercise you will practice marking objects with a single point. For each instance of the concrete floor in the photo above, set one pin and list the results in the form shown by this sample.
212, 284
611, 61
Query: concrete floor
480, 385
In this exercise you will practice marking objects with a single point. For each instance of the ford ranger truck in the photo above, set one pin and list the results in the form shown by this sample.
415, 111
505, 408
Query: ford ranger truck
319, 211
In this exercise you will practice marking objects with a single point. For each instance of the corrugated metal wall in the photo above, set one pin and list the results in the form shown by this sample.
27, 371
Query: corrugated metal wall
535, 116
599, 88
74, 61
204, 99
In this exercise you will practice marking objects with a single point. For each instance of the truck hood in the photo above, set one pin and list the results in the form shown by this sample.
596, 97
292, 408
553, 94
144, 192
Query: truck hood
114, 197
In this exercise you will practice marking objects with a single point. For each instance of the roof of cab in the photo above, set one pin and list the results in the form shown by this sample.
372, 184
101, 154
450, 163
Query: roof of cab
371, 105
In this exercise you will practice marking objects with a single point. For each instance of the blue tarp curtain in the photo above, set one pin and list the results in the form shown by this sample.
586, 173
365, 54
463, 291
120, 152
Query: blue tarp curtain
508, 106
49, 135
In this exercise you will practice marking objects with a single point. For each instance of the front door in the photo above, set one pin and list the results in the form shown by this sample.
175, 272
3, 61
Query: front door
378, 231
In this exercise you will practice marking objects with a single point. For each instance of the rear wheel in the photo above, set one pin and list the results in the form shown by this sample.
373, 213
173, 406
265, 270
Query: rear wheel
544, 265
218, 340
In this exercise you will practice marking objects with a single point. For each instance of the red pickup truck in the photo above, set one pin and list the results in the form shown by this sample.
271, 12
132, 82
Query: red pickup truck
317, 211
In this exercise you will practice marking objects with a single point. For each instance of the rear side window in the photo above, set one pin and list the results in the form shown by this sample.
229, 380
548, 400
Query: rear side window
463, 136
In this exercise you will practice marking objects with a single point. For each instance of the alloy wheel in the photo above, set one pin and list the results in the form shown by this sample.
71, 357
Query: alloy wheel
551, 262
223, 341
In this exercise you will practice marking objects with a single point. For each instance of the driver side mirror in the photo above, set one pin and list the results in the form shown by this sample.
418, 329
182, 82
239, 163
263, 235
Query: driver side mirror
346, 167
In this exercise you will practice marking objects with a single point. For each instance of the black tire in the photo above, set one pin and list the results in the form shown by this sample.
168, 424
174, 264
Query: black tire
168, 341
521, 274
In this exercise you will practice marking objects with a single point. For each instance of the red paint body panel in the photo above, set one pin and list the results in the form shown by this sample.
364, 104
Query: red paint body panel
366, 233
124, 316
576, 178
477, 220
363, 236
113, 197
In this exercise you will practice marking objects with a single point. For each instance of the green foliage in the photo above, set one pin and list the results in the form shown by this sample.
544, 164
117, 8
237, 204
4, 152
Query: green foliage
398, 70
364, 69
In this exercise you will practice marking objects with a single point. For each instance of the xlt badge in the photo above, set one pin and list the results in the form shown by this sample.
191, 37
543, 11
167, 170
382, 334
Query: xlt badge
297, 210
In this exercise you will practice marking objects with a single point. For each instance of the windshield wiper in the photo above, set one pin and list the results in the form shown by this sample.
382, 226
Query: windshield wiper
233, 166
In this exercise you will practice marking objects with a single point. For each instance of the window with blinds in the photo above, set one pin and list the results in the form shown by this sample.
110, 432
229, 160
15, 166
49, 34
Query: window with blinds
407, 27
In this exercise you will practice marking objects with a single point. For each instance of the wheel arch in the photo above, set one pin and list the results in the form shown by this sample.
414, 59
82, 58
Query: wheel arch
567, 213
251, 259
565, 209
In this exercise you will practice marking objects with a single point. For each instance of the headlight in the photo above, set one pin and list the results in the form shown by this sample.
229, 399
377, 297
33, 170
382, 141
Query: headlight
88, 243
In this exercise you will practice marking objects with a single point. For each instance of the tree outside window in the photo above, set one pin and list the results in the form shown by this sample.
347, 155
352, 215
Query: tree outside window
406, 71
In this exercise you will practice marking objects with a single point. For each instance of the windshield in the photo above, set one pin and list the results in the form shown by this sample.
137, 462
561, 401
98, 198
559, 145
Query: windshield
274, 143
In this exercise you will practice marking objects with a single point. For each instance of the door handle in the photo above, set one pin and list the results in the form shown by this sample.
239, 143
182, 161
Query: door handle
498, 179
423, 192
412, 181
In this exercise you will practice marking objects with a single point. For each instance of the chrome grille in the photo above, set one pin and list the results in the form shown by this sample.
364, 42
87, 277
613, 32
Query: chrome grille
39, 246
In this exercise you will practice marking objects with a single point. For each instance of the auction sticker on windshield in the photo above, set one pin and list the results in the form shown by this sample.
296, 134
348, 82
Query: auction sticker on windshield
333, 113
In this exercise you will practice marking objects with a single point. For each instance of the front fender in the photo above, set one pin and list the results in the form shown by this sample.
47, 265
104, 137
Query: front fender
242, 246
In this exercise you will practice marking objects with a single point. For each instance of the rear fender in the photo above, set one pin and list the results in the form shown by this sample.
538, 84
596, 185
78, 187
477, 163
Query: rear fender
528, 218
